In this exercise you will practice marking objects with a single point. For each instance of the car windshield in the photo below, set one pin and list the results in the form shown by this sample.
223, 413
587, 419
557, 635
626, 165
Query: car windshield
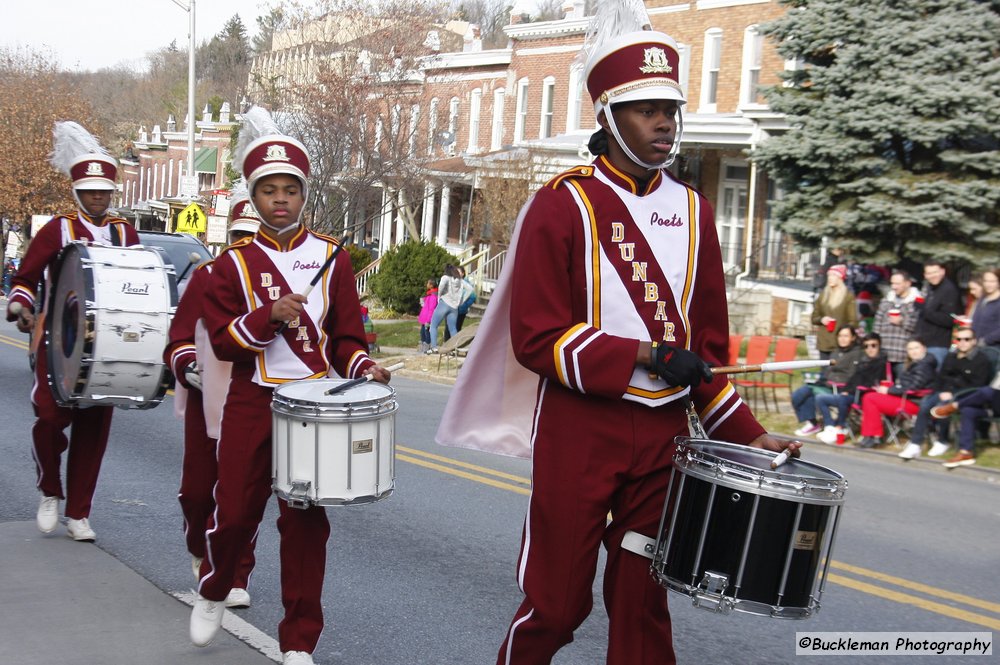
178, 249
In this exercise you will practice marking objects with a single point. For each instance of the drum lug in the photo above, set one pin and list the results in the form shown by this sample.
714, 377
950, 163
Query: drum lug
298, 494
709, 595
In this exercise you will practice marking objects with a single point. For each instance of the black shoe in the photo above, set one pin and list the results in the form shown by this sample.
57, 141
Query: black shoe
869, 442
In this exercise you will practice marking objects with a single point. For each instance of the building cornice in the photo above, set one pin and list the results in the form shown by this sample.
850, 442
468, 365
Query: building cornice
547, 29
491, 58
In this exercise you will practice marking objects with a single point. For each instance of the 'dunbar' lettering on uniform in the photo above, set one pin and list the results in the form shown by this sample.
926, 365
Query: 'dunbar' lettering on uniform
651, 291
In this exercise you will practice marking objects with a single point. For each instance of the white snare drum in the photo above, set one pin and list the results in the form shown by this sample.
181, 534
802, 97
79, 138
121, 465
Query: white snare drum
737, 535
333, 450
107, 325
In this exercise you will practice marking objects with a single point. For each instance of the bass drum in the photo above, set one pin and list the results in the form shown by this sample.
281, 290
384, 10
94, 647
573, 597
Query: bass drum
107, 325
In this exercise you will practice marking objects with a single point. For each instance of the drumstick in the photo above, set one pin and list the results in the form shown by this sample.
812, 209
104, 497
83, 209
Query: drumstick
771, 367
780, 459
194, 258
15, 308
318, 276
357, 382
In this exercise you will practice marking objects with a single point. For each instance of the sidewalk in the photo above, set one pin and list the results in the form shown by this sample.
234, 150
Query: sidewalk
74, 604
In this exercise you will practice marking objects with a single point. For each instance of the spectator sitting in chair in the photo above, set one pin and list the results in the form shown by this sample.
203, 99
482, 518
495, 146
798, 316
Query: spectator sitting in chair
869, 371
889, 400
964, 368
846, 359
971, 407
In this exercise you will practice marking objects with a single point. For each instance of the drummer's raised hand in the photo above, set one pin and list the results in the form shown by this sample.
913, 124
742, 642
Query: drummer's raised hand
286, 308
378, 373
768, 442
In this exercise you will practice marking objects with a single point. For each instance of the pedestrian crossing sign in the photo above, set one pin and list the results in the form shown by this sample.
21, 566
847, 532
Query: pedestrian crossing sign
192, 220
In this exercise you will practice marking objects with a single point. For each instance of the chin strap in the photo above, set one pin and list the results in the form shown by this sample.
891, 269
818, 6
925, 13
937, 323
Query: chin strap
674, 149
283, 231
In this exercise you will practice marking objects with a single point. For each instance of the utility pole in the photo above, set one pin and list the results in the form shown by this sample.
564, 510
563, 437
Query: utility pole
189, 8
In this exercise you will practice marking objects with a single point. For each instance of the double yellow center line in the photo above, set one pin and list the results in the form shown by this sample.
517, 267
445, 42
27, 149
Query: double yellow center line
916, 594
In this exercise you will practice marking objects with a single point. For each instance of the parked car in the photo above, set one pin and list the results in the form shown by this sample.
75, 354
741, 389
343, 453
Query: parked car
180, 250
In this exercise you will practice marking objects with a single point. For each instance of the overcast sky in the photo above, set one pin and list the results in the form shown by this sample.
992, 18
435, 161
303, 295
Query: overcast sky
92, 34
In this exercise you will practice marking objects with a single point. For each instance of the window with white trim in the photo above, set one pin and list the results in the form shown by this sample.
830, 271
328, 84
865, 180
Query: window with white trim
411, 139
432, 139
574, 105
710, 70
496, 134
475, 106
548, 103
753, 48
521, 115
452, 125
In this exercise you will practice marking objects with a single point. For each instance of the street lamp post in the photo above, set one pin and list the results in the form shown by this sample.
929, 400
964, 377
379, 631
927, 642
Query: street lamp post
189, 8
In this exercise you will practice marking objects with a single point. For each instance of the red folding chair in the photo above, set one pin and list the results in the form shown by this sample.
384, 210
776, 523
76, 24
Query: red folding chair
785, 349
758, 348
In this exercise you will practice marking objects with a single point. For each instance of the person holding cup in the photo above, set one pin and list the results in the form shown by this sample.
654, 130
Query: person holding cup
891, 397
896, 317
835, 306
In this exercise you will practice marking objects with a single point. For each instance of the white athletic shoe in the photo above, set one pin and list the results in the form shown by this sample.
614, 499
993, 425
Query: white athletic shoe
910, 451
238, 598
48, 514
296, 658
807, 429
938, 448
828, 435
80, 530
206, 618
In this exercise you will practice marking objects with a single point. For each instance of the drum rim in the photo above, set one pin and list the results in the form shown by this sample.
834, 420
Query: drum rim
771, 483
279, 395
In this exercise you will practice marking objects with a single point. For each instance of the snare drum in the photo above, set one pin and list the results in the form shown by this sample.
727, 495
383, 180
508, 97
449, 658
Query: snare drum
333, 450
107, 325
737, 535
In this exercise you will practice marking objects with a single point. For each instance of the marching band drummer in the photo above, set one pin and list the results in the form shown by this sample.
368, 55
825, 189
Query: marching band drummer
201, 388
255, 287
92, 171
614, 305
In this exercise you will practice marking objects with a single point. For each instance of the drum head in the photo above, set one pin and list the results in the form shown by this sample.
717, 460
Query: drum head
67, 329
313, 392
743, 467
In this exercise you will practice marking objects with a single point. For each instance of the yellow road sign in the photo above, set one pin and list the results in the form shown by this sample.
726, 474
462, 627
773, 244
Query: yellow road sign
192, 220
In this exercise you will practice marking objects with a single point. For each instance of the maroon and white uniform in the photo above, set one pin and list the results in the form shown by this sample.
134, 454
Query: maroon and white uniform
199, 471
598, 267
327, 339
90, 426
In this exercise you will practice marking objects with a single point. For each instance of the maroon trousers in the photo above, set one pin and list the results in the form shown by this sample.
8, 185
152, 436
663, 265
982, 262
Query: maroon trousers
241, 494
199, 471
593, 456
87, 442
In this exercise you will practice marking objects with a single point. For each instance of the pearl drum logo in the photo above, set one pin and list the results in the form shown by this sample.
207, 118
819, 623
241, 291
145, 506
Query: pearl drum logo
135, 289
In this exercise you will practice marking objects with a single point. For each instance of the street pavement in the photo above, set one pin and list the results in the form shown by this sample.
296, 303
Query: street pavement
113, 616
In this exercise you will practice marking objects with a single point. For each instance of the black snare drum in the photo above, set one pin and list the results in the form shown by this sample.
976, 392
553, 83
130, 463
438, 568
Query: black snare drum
737, 535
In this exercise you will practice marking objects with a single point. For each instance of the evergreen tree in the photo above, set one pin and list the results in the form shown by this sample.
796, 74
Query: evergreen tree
894, 112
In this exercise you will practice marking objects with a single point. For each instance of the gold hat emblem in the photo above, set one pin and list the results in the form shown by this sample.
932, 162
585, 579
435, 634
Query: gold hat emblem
94, 169
276, 153
655, 62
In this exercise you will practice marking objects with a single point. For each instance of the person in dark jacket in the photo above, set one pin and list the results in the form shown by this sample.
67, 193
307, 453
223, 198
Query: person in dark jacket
920, 371
986, 318
941, 299
964, 368
845, 360
867, 373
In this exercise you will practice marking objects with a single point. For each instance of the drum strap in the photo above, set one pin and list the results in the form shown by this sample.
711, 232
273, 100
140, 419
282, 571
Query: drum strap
639, 544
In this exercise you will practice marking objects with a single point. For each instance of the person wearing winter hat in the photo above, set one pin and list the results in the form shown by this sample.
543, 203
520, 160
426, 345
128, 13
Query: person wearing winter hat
257, 319
601, 329
92, 172
834, 307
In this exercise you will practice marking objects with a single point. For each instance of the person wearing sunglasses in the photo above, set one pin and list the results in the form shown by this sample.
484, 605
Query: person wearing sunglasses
887, 400
964, 367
